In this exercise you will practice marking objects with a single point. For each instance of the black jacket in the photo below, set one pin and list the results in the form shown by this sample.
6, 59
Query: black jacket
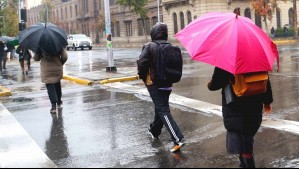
159, 33
245, 114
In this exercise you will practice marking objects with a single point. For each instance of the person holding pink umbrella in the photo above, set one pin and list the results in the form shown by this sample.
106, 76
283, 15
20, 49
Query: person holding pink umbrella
236, 47
242, 117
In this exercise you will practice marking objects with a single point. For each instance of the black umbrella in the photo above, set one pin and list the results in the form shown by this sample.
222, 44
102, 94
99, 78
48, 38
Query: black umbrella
45, 36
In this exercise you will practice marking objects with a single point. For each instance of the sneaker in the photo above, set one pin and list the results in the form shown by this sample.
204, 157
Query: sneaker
153, 137
177, 147
53, 109
59, 105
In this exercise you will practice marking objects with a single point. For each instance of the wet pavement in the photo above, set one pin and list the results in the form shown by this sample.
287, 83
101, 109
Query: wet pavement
102, 126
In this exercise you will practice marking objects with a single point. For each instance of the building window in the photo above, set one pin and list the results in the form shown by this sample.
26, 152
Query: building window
291, 17
76, 10
247, 13
61, 14
140, 27
112, 29
112, 2
66, 12
154, 20
189, 16
258, 20
129, 31
71, 11
182, 20
175, 23
117, 29
278, 17
147, 26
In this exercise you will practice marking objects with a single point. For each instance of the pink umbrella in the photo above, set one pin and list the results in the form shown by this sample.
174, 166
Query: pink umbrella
230, 42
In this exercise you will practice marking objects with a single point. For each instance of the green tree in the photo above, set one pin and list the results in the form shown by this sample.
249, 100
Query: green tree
264, 8
137, 6
46, 11
11, 18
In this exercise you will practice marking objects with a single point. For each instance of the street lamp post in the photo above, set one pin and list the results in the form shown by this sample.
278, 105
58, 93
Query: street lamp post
111, 67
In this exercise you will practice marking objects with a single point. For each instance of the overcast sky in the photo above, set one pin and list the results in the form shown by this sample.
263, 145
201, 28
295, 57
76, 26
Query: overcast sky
32, 3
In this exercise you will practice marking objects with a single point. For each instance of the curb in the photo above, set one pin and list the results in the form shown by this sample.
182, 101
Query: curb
77, 80
283, 42
6, 92
122, 79
91, 83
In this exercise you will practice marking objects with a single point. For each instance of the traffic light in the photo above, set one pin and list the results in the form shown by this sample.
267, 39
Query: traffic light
22, 26
24, 15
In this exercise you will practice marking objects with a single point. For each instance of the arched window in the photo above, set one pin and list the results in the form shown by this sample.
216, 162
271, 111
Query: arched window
182, 18
154, 20
112, 29
247, 13
175, 23
140, 27
291, 17
147, 26
117, 29
278, 17
189, 17
258, 20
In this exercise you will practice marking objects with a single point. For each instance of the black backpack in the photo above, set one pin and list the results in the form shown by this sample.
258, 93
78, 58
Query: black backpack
168, 64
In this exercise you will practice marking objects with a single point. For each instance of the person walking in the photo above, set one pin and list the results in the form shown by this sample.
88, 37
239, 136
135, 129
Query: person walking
242, 117
24, 58
159, 93
51, 75
3, 55
273, 33
285, 32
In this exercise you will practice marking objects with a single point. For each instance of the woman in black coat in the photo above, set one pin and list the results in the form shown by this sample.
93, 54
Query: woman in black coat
242, 117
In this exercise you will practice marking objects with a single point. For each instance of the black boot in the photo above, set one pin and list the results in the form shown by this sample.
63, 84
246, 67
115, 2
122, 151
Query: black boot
247, 162
53, 109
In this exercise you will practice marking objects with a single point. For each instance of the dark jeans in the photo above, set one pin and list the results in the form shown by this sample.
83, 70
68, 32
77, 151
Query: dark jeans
54, 92
3, 61
163, 115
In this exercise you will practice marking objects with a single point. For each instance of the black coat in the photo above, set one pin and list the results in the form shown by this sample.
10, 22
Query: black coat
245, 114
159, 33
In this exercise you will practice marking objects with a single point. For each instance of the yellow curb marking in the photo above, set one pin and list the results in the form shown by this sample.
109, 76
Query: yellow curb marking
285, 41
6, 92
77, 80
90, 83
122, 79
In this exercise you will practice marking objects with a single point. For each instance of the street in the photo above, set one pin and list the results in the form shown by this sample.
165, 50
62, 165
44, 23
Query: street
106, 125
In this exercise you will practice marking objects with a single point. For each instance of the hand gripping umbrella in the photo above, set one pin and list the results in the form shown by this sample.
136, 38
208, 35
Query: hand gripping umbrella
43, 36
230, 42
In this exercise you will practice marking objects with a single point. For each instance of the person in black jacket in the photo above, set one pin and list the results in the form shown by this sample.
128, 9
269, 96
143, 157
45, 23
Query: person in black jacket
159, 94
242, 117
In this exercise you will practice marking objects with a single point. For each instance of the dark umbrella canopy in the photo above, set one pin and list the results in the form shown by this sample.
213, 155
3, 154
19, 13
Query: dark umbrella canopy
45, 36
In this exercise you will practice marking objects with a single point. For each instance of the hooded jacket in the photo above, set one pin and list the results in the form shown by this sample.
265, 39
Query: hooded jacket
159, 34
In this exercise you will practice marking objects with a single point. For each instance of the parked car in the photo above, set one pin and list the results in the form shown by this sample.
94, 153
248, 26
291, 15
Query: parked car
76, 41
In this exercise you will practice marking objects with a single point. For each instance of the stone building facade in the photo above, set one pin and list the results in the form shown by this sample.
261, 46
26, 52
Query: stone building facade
88, 17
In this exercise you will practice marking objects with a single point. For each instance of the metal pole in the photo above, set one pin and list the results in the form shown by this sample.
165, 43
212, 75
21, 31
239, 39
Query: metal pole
111, 67
20, 21
158, 10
